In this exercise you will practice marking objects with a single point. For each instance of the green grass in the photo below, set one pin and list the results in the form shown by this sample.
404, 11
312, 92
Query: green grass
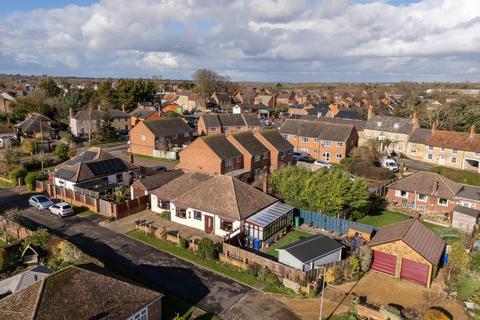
82, 211
141, 156
344, 316
462, 176
5, 184
385, 217
234, 273
286, 240
2, 243
450, 235
467, 286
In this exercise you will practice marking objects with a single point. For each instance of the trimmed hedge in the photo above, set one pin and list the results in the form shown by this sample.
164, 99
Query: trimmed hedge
17, 173
30, 180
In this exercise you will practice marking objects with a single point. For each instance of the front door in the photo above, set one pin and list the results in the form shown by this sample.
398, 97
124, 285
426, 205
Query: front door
208, 224
441, 160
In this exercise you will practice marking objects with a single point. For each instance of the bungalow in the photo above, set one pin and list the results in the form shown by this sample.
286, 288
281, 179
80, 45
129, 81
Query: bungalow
35, 125
431, 192
309, 253
256, 157
227, 123
281, 151
329, 142
213, 154
458, 150
407, 250
221, 98
151, 137
220, 205
285, 99
82, 292
245, 97
93, 168
144, 186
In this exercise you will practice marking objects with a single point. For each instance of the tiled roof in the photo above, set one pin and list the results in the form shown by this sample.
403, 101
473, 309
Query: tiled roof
276, 139
231, 120
447, 139
390, 124
421, 239
316, 129
32, 123
23, 279
469, 192
223, 148
249, 142
141, 113
157, 180
168, 127
21, 305
468, 211
227, 197
428, 183
211, 120
180, 185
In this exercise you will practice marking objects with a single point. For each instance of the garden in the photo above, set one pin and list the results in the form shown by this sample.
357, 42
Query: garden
287, 239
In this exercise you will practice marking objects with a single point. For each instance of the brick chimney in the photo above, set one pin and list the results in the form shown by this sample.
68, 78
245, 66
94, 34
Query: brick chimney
472, 131
265, 183
370, 112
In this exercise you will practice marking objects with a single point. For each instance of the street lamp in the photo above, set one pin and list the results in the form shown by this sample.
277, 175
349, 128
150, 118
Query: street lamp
323, 289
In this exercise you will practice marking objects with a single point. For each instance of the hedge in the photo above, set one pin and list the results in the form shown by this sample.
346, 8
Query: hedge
17, 173
30, 180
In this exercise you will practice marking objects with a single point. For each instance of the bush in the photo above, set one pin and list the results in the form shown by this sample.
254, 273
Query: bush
390, 312
165, 215
3, 259
61, 151
30, 180
369, 171
353, 267
183, 243
206, 249
267, 276
365, 256
475, 262
253, 269
17, 173
434, 314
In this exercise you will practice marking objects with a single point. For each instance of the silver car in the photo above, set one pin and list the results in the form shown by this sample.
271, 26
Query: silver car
40, 202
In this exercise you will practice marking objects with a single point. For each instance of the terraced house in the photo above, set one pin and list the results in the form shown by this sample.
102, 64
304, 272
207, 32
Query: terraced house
458, 150
325, 141
227, 123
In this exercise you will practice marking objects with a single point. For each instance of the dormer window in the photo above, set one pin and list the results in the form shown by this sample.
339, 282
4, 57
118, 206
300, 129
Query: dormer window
379, 123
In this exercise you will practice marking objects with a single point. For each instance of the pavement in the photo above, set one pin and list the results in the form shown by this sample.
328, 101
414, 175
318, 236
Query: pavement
415, 165
159, 270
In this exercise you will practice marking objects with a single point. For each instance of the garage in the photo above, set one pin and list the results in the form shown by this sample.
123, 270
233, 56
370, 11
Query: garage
407, 250
414, 271
384, 262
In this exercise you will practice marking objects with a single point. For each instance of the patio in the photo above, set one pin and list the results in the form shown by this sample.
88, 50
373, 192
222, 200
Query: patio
127, 224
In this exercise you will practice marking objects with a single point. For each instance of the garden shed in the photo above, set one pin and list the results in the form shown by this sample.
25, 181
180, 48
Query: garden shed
264, 226
407, 250
306, 254
465, 218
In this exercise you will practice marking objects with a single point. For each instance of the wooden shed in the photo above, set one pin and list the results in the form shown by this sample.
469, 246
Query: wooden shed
407, 250
363, 230
465, 218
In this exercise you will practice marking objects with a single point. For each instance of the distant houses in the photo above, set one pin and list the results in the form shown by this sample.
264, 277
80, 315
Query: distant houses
88, 122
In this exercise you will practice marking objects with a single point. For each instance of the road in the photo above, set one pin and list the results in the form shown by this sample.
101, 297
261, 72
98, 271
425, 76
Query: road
160, 270
414, 165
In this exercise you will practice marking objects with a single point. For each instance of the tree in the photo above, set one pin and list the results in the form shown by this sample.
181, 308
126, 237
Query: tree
206, 82
29, 146
38, 101
39, 239
206, 249
289, 182
77, 99
458, 261
107, 96
9, 215
61, 151
50, 87
131, 91
107, 131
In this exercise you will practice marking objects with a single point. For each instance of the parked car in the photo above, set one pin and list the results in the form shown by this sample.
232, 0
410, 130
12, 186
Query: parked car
323, 164
40, 202
352, 177
62, 209
296, 156
160, 168
390, 164
306, 158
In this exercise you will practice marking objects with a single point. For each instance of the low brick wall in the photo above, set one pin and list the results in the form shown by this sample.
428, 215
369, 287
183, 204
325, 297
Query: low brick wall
369, 313
14, 229
232, 261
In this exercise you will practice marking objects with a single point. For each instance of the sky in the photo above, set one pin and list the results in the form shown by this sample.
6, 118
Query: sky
248, 40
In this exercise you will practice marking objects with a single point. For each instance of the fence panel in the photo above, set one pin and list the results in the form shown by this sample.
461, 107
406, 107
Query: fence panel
333, 224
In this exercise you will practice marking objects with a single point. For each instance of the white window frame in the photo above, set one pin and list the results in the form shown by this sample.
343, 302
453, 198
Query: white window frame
303, 150
140, 315
326, 156
400, 194
453, 160
196, 212
285, 136
430, 156
454, 151
431, 148
213, 129
315, 151
143, 137
315, 140
339, 156
305, 139
327, 143
257, 157
441, 204
476, 154
425, 199
339, 144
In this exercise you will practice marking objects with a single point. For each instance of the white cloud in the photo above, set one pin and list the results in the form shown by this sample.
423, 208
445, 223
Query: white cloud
278, 40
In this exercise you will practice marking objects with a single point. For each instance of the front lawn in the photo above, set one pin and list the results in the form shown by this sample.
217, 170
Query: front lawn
462, 176
467, 286
385, 217
286, 240
450, 235
82, 211
5, 184
141, 156
234, 273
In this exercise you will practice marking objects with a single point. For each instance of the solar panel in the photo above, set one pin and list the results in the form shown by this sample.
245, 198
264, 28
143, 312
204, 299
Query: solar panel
64, 174
104, 167
86, 156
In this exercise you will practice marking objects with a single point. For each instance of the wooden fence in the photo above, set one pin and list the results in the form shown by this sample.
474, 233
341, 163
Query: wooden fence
333, 224
100, 206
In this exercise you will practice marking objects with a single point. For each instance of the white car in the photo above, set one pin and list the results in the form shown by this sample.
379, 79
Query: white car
323, 164
390, 164
62, 209
40, 202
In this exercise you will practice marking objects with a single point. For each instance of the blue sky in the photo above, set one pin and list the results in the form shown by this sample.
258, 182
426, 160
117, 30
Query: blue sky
257, 40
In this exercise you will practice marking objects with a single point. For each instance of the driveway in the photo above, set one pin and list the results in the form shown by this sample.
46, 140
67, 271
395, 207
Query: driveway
159, 270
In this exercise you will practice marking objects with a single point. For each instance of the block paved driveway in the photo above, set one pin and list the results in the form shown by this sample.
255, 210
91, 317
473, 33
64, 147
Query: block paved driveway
160, 270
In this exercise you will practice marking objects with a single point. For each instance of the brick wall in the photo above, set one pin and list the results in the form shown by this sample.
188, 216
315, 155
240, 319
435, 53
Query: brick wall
142, 140
199, 157
317, 148
155, 310
431, 203
14, 229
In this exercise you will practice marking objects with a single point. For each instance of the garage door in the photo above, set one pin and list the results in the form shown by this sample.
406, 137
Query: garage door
384, 262
414, 271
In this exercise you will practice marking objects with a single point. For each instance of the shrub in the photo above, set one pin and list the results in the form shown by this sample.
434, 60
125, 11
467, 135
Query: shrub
475, 262
3, 259
17, 173
365, 256
330, 275
165, 215
267, 276
206, 249
354, 267
30, 180
434, 314
183, 243
61, 151
390, 312
253, 269
369, 171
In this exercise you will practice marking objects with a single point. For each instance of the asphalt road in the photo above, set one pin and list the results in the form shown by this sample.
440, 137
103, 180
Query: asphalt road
160, 270
414, 165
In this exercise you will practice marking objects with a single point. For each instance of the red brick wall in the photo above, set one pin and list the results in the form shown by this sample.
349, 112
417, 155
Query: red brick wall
311, 145
431, 203
275, 161
155, 310
139, 146
199, 157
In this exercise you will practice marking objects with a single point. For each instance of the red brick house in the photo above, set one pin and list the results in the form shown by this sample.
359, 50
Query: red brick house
227, 123
281, 151
431, 192
212, 154
256, 157
149, 137
325, 141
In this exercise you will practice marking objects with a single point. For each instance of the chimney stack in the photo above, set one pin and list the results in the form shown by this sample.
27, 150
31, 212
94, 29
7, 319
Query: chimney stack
265, 182
434, 126
370, 112
472, 130
70, 111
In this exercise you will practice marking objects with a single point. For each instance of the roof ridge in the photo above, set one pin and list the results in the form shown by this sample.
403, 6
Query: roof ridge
445, 180
39, 296
235, 194
191, 190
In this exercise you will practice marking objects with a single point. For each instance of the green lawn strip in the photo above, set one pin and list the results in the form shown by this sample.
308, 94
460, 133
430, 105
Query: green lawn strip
467, 286
82, 211
141, 156
231, 272
2, 243
286, 240
462, 176
385, 217
5, 184
340, 317
450, 235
